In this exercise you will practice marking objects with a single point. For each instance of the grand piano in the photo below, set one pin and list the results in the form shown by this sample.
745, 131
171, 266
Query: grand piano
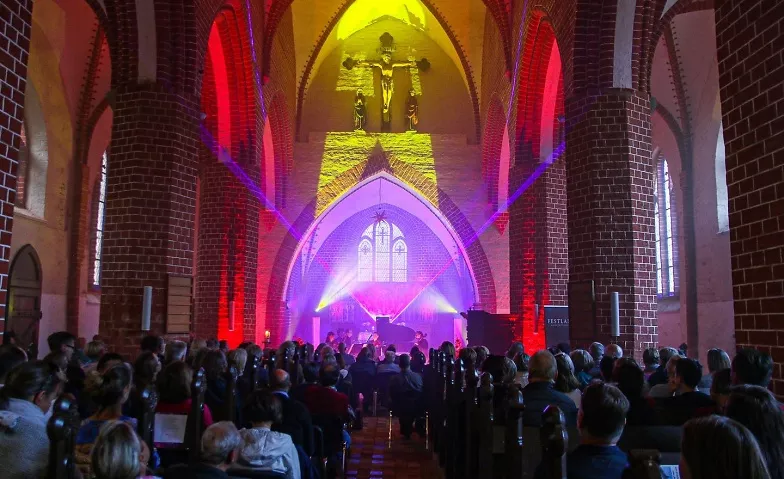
401, 336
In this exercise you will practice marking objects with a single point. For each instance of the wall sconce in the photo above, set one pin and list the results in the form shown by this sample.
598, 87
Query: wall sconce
146, 308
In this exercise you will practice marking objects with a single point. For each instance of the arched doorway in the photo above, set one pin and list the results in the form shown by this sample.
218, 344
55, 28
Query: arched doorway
23, 314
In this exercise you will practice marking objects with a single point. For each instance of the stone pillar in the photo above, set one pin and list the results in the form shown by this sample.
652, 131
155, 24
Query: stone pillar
150, 207
609, 180
14, 49
749, 40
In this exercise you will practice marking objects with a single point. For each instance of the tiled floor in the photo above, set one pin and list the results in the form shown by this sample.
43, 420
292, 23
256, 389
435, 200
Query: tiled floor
374, 456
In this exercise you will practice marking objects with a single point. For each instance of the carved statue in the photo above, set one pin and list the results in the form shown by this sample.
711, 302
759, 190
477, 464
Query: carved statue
360, 117
412, 110
387, 68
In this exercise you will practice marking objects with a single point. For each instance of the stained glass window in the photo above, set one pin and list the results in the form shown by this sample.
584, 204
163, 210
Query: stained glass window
99, 224
665, 225
377, 259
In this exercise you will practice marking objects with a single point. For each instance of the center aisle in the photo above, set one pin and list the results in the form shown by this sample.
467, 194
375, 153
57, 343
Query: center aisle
372, 457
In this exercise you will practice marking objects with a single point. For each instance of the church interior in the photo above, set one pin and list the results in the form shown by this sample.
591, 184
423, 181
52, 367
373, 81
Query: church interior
273, 170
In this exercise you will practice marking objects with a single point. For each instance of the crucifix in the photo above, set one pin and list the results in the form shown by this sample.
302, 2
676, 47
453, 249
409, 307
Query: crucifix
387, 68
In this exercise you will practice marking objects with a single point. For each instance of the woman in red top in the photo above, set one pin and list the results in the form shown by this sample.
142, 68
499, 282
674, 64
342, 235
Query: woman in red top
174, 392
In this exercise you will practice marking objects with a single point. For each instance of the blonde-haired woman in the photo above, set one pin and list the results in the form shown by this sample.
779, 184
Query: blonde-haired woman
118, 453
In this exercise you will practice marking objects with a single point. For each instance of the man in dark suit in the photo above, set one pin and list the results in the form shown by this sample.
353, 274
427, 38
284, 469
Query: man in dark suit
297, 422
405, 392
540, 392
601, 422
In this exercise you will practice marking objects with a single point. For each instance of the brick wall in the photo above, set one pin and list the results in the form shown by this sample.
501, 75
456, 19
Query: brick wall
15, 17
610, 211
749, 41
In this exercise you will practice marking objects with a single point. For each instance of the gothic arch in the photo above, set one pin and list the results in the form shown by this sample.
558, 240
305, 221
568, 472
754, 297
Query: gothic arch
341, 187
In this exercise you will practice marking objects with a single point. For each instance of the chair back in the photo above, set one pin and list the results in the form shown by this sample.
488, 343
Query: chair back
665, 439
644, 464
251, 371
293, 368
61, 429
332, 428
513, 441
382, 386
554, 440
194, 425
230, 402
471, 413
271, 363
484, 422
319, 455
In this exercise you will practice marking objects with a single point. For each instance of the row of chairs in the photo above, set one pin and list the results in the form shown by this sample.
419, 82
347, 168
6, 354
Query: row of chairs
476, 428
64, 425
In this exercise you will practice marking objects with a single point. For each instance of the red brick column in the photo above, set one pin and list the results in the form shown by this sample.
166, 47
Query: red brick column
150, 207
609, 182
15, 20
749, 38
227, 254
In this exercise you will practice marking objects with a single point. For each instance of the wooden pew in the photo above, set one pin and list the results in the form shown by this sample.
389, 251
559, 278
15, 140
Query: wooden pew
149, 401
456, 424
271, 364
193, 429
230, 403
484, 425
61, 429
470, 412
448, 379
293, 368
513, 442
554, 440
252, 371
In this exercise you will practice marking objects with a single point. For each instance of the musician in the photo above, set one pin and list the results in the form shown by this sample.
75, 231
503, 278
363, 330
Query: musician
420, 341
375, 341
330, 340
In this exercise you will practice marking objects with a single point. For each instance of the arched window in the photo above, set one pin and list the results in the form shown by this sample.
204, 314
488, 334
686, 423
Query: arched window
722, 200
382, 254
100, 213
664, 224
22, 172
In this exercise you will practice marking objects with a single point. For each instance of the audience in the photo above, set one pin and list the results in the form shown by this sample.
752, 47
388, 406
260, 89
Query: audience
94, 351
686, 402
630, 379
606, 366
174, 392
10, 357
295, 418
262, 448
145, 371
220, 445
215, 368
660, 375
405, 392
718, 360
540, 393
348, 359
597, 353
28, 394
650, 359
720, 388
583, 364
388, 366
565, 381
155, 345
665, 389
752, 367
175, 351
716, 447
117, 452
614, 351
601, 421
109, 392
324, 400
757, 409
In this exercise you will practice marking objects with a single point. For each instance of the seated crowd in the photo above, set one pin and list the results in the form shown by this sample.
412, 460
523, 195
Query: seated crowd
200, 410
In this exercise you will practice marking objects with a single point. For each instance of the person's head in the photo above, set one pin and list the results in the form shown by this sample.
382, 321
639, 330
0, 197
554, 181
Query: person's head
606, 366
481, 355
629, 378
213, 344
614, 351
223, 345
342, 348
214, 364
404, 361
364, 355
418, 335
153, 344
564, 348
716, 447
329, 375
116, 453
62, 341
280, 380
720, 388
671, 365
108, 361
683, 350
174, 383
515, 349
111, 388
255, 350
757, 409
389, 357
145, 369
9, 337
220, 445
58, 358
542, 367
448, 349
175, 351
597, 352
95, 349
263, 408
602, 414
565, 381
665, 354
468, 355
752, 367
196, 346
688, 373
650, 358
330, 337
10, 357
238, 358
38, 382
582, 360
310, 372
718, 359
